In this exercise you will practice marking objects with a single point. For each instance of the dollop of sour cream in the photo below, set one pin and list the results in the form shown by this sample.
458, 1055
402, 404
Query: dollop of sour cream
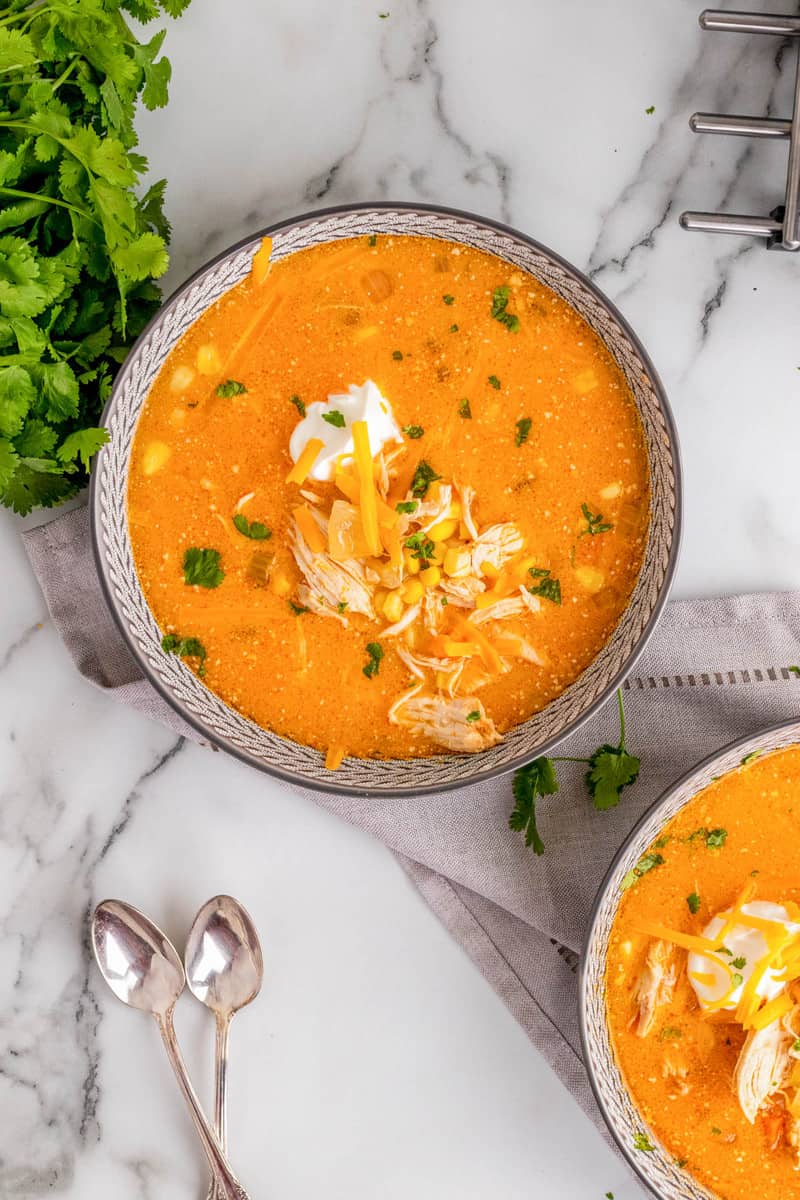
747, 946
359, 403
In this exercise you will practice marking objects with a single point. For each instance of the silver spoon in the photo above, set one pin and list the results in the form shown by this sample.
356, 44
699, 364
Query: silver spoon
142, 968
224, 970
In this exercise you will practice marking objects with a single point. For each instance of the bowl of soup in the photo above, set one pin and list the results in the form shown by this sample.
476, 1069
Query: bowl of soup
391, 500
690, 987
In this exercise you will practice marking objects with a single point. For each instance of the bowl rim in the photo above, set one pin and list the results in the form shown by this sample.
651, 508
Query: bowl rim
744, 743
479, 776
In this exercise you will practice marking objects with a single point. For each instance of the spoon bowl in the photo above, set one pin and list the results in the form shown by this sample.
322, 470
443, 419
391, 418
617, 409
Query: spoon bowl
224, 963
137, 961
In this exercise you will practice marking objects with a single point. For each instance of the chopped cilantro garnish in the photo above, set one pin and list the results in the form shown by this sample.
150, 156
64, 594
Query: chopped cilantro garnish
448, 299
299, 405
298, 609
694, 902
646, 863
670, 1033
715, 1129
594, 523
739, 963
546, 587
375, 652
444, 601
662, 842
397, 355
795, 670
372, 240
716, 837
796, 1045
500, 297
341, 606
424, 476
454, 328
202, 567
251, 529
334, 418
611, 768
523, 429
494, 382
642, 1142
407, 506
650, 110
190, 647
538, 778
231, 387
422, 546
464, 409
680, 1162
413, 431
749, 757
473, 716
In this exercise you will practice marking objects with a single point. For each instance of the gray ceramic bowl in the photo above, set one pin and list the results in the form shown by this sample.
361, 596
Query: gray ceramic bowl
289, 760
655, 1168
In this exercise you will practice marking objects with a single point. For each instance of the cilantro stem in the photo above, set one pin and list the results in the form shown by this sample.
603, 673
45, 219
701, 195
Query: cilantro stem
45, 199
621, 707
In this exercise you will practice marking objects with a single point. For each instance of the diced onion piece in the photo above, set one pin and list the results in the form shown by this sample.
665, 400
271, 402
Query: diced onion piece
305, 462
368, 494
259, 267
181, 378
314, 537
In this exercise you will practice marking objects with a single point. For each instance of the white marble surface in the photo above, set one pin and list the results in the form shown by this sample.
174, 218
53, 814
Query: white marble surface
377, 1062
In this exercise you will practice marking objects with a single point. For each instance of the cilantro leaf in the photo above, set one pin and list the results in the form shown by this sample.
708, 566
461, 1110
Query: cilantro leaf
299, 405
523, 430
594, 523
647, 862
424, 476
642, 1142
406, 506
231, 387
693, 901
191, 647
500, 298
547, 587
611, 769
494, 382
202, 568
538, 778
464, 409
375, 652
251, 529
334, 418
82, 445
413, 431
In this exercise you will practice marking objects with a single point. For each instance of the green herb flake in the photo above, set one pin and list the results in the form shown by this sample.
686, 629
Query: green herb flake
191, 647
334, 418
670, 1033
647, 862
201, 568
375, 652
594, 523
795, 670
397, 355
748, 758
231, 387
716, 838
424, 476
650, 110
662, 842
464, 409
422, 546
499, 310
413, 431
715, 1129
523, 430
546, 586
494, 382
796, 1045
642, 1142
739, 963
538, 778
341, 606
372, 240
251, 529
694, 902
299, 405
473, 716
454, 328
448, 299
298, 609
406, 506
680, 1162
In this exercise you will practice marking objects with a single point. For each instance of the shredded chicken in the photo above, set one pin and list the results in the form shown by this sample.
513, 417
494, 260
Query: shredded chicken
449, 667
532, 603
503, 609
762, 1067
675, 1069
462, 592
445, 721
496, 545
408, 618
308, 600
333, 582
433, 611
430, 512
655, 985
467, 495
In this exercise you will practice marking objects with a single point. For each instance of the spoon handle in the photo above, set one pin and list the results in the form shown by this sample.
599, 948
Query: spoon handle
227, 1185
221, 1080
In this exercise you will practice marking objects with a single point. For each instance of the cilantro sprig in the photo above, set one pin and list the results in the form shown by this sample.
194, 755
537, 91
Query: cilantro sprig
202, 567
500, 298
81, 241
611, 768
191, 647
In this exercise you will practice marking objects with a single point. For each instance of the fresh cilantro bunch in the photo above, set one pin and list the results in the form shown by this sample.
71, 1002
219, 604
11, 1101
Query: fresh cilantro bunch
79, 246
611, 768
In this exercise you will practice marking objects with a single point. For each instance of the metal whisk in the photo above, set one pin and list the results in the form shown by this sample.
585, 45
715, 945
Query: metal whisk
781, 229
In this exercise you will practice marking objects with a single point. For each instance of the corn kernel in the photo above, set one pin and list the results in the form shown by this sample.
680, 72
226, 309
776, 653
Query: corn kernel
455, 509
442, 530
412, 591
155, 457
430, 576
437, 555
280, 583
379, 599
457, 561
585, 382
393, 606
590, 578
489, 571
208, 360
181, 379
413, 565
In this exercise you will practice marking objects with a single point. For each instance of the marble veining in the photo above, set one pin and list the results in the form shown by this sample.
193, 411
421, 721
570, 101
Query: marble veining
377, 1062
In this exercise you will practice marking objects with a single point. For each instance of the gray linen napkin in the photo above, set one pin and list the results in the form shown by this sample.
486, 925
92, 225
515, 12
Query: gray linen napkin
713, 671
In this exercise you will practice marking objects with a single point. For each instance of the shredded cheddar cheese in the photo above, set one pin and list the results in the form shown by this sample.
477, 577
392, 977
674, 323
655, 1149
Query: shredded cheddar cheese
368, 495
300, 470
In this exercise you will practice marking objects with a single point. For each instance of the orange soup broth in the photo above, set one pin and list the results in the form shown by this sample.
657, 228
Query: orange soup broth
314, 329
759, 806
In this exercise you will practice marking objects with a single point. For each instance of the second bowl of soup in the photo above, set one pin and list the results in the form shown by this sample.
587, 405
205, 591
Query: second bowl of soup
388, 486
